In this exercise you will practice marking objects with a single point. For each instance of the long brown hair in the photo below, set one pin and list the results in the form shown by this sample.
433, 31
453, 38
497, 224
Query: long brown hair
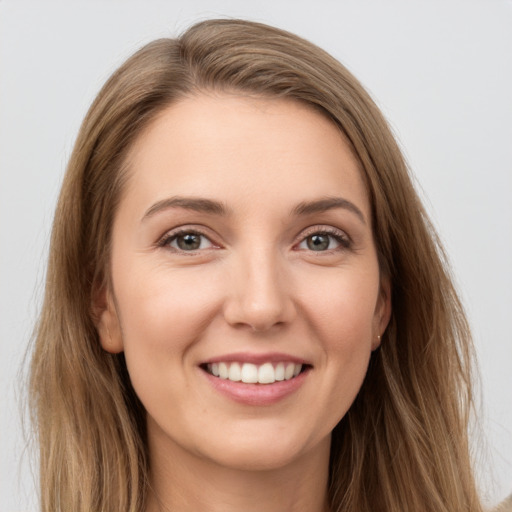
403, 445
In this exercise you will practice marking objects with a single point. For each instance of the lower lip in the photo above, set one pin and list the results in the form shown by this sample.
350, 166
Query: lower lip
257, 394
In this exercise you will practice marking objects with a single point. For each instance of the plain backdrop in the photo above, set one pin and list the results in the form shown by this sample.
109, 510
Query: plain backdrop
440, 70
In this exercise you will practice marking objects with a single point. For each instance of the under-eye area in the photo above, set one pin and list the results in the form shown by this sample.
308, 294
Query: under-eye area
249, 373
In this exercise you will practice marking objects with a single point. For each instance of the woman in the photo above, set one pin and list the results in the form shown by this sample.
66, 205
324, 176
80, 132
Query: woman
246, 307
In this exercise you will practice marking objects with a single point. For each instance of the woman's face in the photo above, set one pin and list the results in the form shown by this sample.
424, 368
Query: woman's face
243, 249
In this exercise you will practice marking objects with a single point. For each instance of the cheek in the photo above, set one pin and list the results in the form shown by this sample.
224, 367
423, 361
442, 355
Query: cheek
347, 341
340, 311
164, 313
342, 305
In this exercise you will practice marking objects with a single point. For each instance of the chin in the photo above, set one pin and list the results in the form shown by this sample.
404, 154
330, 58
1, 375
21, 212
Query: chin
265, 453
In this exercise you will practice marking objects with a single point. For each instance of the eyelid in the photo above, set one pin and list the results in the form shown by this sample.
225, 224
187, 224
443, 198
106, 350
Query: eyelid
341, 235
172, 234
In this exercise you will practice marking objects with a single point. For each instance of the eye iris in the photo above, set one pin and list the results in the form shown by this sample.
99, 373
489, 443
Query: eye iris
189, 242
318, 242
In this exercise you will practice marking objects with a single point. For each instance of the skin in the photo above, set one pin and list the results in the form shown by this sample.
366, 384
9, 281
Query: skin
254, 285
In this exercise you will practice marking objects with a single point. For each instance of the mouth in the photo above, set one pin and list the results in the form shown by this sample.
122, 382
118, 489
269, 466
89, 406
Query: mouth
250, 373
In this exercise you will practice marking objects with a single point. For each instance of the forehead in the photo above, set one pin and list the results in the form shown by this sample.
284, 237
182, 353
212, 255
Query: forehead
239, 148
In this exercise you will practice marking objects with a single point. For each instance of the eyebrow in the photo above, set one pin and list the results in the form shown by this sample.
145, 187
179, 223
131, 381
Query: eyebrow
188, 203
328, 203
211, 206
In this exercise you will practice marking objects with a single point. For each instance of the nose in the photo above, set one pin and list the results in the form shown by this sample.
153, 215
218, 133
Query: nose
260, 295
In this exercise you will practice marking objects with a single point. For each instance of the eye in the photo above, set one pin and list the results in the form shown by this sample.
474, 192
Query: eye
320, 241
187, 241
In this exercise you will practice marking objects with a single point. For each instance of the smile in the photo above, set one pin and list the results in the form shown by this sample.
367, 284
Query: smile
249, 373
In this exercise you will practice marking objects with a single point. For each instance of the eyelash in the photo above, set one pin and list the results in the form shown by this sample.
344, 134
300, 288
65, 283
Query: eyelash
168, 238
339, 236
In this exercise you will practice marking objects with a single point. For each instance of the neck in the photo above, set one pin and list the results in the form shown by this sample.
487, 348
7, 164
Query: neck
183, 482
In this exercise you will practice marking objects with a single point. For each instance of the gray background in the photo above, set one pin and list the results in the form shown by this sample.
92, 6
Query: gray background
440, 70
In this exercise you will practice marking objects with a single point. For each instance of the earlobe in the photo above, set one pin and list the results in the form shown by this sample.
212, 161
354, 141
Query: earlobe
107, 321
382, 312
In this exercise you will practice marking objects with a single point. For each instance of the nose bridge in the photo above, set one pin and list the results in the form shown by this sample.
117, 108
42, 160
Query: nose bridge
260, 289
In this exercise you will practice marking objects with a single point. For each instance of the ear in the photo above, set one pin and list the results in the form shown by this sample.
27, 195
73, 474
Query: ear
106, 320
382, 312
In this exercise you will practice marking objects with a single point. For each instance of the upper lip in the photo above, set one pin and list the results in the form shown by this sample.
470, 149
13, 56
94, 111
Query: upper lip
245, 357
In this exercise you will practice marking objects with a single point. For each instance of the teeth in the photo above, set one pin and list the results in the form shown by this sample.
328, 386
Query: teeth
235, 372
279, 371
223, 371
288, 371
250, 373
266, 374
